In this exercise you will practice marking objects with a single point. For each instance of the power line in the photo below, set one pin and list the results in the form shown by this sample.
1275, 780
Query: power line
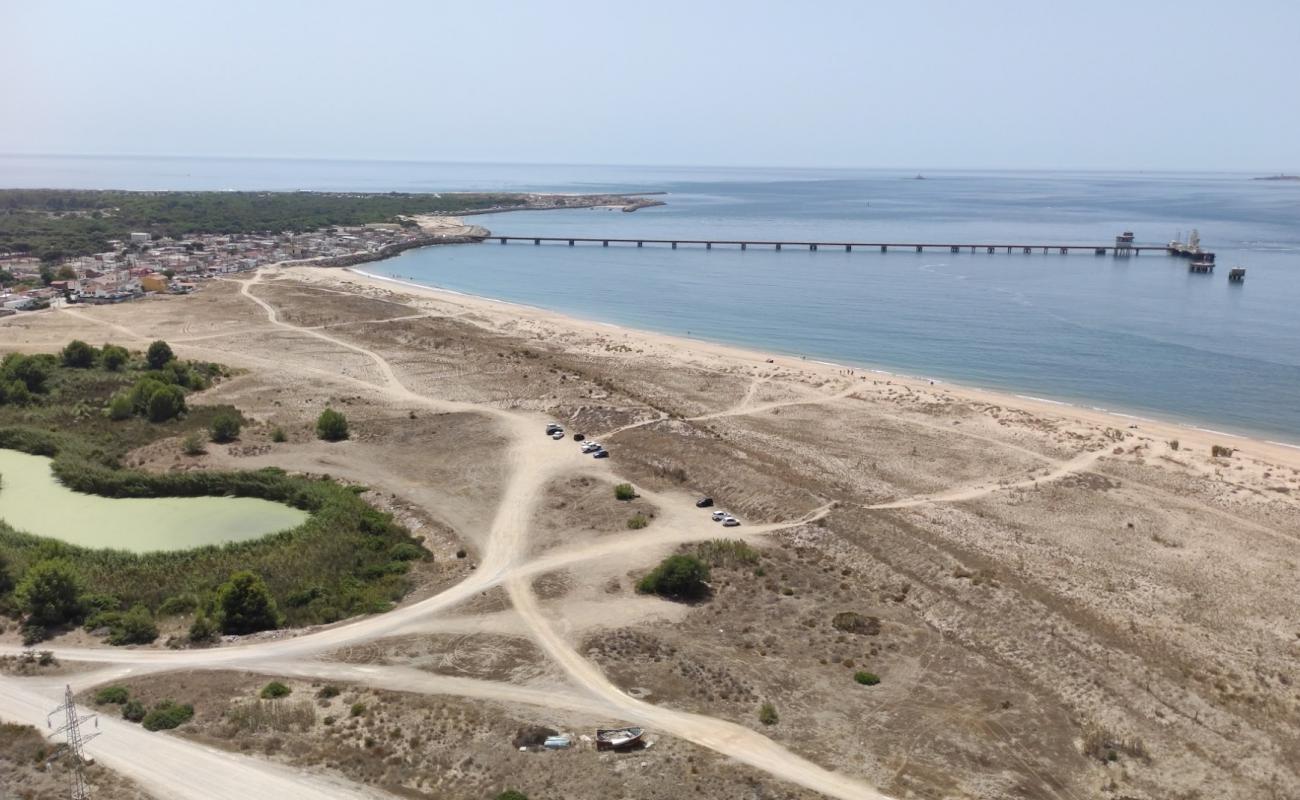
73, 741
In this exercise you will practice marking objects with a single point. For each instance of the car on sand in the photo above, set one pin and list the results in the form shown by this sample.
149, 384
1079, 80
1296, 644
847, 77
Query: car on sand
730, 522
719, 515
600, 454
704, 502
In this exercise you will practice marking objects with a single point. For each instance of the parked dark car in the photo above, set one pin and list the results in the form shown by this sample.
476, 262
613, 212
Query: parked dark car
600, 454
704, 502
578, 437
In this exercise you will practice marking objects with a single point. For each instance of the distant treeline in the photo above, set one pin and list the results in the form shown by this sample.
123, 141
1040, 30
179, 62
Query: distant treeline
55, 223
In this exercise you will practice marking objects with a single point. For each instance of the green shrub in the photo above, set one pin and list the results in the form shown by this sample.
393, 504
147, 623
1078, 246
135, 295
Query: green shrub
166, 403
225, 427
677, 576
117, 695
512, 794
192, 444
637, 521
329, 691
767, 714
331, 426
135, 627
245, 605
133, 711
159, 354
274, 691
203, 630
78, 355
177, 604
119, 408
50, 592
357, 709
624, 491
167, 715
114, 357
866, 678
278, 435
406, 551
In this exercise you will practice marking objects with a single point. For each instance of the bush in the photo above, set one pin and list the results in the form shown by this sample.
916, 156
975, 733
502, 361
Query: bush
245, 605
853, 622
637, 521
767, 714
6, 582
727, 553
331, 426
119, 408
78, 355
866, 678
677, 576
143, 390
274, 691
203, 630
357, 709
1173, 444
159, 354
512, 794
133, 711
136, 627
114, 357
329, 691
192, 444
1221, 451
177, 604
167, 715
166, 403
50, 593
624, 491
117, 695
278, 435
406, 551
225, 427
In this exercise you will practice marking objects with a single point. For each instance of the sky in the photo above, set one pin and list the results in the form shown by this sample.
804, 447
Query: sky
989, 85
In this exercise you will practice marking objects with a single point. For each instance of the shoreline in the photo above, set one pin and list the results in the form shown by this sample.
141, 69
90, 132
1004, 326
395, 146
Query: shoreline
1252, 445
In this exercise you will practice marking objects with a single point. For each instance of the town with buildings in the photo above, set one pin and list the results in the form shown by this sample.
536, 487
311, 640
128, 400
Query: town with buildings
143, 265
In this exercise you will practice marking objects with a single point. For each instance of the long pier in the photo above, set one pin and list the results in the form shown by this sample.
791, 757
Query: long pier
848, 247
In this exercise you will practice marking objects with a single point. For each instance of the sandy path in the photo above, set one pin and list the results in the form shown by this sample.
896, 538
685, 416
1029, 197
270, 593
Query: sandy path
1077, 464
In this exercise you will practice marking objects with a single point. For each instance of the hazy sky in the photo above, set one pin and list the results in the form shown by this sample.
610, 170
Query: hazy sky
1148, 85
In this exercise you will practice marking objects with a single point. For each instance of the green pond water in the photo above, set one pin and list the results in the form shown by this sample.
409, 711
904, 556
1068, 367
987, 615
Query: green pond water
32, 500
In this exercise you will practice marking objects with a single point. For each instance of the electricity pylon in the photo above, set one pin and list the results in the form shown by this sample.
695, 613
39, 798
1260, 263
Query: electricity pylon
73, 740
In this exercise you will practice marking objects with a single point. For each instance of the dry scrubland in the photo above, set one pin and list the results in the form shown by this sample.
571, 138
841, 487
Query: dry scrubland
1055, 607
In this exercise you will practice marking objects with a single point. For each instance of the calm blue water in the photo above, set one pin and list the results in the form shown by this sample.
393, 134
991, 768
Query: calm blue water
1140, 335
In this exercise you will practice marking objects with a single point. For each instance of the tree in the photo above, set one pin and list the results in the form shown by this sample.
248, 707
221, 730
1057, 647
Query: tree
202, 629
47, 272
245, 605
677, 576
159, 354
225, 427
114, 357
78, 355
17, 394
6, 582
50, 592
142, 392
166, 403
65, 273
33, 371
331, 426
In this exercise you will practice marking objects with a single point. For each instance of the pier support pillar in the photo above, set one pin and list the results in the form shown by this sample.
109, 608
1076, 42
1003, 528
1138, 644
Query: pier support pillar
503, 240
955, 249
848, 248
570, 243
1029, 250
605, 243
708, 245
1100, 251
778, 247
991, 251
884, 248
918, 248
742, 246
639, 244
537, 242
674, 245
812, 248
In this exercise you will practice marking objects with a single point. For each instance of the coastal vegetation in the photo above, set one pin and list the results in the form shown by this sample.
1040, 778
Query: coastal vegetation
331, 426
679, 577
55, 223
346, 558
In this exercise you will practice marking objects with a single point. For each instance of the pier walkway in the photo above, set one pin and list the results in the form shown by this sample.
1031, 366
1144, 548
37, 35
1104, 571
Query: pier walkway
848, 247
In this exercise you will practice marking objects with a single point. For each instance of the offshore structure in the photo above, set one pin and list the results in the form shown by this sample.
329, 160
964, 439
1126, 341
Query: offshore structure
1202, 260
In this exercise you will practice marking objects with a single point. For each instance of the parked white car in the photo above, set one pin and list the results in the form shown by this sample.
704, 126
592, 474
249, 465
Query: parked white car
719, 515
730, 522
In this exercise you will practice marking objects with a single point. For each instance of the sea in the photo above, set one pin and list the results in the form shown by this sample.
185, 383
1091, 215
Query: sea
1140, 335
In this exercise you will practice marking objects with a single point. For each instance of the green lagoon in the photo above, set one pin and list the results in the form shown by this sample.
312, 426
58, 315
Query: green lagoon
33, 500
